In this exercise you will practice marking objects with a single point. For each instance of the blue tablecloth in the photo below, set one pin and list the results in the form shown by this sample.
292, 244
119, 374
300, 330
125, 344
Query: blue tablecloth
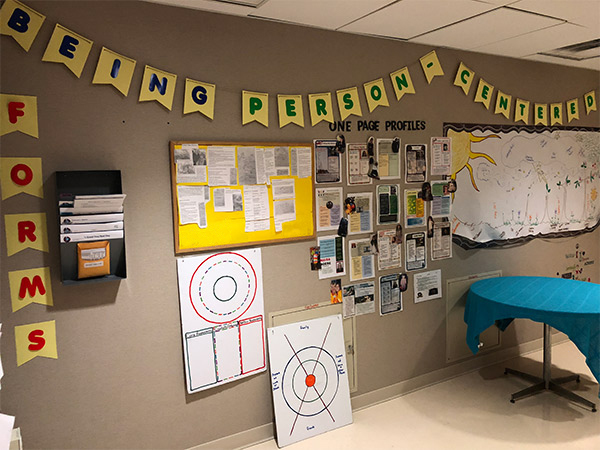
570, 306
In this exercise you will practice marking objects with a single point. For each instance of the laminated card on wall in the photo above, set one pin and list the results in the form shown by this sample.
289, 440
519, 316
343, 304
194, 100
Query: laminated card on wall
222, 317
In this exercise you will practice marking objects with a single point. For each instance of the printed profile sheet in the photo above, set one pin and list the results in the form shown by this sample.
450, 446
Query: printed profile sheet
358, 299
329, 208
390, 297
362, 259
441, 205
358, 164
390, 249
416, 163
441, 243
328, 162
333, 256
360, 220
441, 156
414, 208
416, 254
389, 161
427, 285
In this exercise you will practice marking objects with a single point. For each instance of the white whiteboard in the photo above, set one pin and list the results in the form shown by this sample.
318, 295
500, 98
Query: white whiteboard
222, 317
309, 378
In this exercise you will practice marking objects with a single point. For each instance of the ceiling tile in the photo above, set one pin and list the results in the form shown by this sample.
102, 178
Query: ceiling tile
589, 64
496, 25
539, 41
330, 14
409, 18
209, 5
561, 9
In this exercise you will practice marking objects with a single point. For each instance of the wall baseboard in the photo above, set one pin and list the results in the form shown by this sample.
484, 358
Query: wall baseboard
265, 432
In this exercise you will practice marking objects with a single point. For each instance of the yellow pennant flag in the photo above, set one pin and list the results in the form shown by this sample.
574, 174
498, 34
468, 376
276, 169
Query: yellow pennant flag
290, 110
375, 94
158, 85
199, 97
464, 78
431, 66
590, 102
35, 339
503, 104
540, 113
25, 231
114, 69
18, 113
69, 48
21, 22
320, 108
522, 111
402, 82
30, 286
348, 102
484, 93
556, 114
573, 109
255, 107
21, 175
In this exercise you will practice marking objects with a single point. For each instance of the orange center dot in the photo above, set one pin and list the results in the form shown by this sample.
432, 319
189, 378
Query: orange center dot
310, 380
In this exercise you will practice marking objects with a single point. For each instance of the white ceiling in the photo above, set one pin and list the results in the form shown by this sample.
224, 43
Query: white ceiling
516, 28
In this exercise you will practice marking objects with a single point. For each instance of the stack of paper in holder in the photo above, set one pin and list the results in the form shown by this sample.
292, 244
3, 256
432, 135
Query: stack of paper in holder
91, 217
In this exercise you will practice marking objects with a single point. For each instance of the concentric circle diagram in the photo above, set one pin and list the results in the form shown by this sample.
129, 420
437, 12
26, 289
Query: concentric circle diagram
310, 381
223, 287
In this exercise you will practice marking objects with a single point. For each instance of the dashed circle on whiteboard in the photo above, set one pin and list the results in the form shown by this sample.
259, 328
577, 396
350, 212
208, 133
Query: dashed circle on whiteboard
223, 287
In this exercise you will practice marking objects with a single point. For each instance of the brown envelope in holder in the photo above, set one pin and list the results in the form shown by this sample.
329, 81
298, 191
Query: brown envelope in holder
93, 259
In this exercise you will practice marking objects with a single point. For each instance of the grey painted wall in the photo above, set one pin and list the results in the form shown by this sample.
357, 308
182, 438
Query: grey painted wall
118, 382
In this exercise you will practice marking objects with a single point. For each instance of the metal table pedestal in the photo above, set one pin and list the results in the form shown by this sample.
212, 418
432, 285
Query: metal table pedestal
547, 383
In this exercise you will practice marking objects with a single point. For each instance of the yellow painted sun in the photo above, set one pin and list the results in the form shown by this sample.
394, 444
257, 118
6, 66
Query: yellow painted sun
462, 153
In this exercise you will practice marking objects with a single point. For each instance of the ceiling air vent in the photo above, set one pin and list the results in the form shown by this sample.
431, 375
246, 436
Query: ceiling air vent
577, 52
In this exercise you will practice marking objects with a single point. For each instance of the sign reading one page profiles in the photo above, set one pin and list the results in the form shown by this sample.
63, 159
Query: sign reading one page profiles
222, 317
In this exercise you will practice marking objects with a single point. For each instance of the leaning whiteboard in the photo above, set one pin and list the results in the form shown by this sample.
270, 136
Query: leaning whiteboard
222, 317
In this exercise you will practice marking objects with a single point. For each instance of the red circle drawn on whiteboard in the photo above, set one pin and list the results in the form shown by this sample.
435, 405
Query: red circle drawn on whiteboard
198, 268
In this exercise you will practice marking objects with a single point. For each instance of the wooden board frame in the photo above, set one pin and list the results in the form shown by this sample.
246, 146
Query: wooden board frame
240, 243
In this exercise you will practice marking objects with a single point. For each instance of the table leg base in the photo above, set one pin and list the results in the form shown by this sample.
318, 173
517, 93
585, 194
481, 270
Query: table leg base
554, 386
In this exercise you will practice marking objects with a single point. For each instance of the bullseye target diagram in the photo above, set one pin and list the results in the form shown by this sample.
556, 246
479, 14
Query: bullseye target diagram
309, 379
222, 317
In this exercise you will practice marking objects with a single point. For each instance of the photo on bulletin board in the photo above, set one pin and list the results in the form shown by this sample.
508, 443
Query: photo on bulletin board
228, 194
388, 158
328, 161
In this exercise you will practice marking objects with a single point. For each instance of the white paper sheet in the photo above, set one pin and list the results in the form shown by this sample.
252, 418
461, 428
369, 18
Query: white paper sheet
283, 211
256, 203
441, 156
282, 160
427, 285
192, 204
301, 161
221, 166
270, 163
192, 169
258, 225
227, 200
283, 189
